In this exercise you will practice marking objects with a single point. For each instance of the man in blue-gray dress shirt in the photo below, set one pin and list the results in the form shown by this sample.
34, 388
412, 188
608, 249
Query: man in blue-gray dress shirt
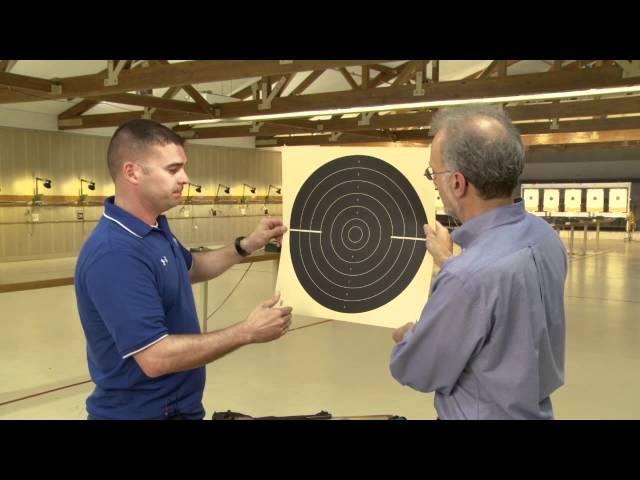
490, 341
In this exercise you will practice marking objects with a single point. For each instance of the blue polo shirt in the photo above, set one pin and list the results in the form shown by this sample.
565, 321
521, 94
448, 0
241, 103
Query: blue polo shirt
133, 289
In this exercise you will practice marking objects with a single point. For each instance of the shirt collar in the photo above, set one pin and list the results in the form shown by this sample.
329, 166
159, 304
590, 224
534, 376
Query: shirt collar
472, 229
129, 222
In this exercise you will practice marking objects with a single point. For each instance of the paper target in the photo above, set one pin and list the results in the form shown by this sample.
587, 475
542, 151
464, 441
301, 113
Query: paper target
356, 238
355, 249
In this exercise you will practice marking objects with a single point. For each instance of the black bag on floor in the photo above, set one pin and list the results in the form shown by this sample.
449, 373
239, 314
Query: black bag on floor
322, 415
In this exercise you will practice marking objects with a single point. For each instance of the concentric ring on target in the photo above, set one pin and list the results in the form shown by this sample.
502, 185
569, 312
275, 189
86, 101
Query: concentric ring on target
356, 234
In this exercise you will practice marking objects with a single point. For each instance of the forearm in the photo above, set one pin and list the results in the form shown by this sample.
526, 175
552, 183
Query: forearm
176, 353
211, 264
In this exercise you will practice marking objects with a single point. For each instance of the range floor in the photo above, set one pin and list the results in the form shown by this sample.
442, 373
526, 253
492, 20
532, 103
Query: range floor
320, 365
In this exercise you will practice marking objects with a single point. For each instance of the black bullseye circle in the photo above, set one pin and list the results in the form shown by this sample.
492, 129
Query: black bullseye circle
342, 234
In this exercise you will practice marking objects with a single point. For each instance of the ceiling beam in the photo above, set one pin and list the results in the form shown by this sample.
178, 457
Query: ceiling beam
582, 137
78, 109
489, 70
531, 140
7, 65
86, 105
619, 124
512, 85
366, 71
246, 92
581, 108
385, 76
154, 102
502, 68
28, 84
199, 99
288, 80
347, 76
81, 107
388, 70
493, 66
549, 111
435, 71
117, 119
324, 139
170, 93
169, 75
404, 76
309, 79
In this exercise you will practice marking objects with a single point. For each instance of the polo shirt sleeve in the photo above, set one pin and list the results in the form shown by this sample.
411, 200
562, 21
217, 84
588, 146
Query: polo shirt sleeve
451, 329
187, 255
124, 292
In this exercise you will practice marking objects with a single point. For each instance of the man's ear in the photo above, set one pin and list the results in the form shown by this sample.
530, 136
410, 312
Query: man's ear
131, 172
460, 184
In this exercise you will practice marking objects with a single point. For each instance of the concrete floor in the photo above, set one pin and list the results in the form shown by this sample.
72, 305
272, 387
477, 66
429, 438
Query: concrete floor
335, 366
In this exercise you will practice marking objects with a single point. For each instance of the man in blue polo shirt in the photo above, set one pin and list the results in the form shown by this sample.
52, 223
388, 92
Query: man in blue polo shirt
490, 340
133, 279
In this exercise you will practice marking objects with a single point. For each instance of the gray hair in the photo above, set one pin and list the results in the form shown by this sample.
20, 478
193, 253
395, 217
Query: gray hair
490, 156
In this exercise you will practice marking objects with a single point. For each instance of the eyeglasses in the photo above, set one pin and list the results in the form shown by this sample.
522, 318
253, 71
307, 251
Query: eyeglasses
429, 173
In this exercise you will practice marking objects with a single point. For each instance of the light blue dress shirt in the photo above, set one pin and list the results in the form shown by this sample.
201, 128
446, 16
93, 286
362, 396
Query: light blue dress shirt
490, 340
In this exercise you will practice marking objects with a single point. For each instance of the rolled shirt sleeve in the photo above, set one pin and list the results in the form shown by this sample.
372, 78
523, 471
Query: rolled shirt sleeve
452, 328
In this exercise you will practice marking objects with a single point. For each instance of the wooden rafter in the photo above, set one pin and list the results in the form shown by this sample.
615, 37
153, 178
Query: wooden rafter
309, 79
347, 76
29, 84
160, 76
366, 70
397, 121
86, 105
81, 107
386, 75
245, 93
153, 102
555, 66
422, 137
7, 65
582, 137
199, 99
288, 80
388, 70
511, 85
404, 76
502, 68
169, 94
435, 71
489, 70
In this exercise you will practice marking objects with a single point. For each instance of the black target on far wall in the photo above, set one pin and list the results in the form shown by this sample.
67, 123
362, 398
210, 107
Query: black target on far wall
343, 229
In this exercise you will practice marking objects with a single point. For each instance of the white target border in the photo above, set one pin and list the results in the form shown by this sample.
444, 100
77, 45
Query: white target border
298, 164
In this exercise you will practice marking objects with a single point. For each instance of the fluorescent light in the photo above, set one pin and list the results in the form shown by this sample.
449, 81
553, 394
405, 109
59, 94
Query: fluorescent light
439, 103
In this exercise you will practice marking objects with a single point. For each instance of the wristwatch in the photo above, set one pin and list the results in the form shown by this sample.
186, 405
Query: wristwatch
241, 251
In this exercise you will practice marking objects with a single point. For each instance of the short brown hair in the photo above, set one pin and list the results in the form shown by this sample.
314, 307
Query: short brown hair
136, 135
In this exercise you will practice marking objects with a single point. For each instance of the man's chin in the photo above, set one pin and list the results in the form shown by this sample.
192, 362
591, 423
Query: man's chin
173, 202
